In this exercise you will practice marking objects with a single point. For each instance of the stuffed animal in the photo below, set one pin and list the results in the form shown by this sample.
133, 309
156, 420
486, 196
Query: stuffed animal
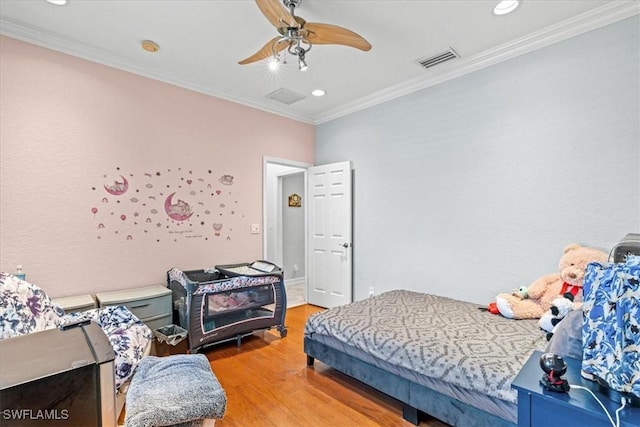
522, 292
560, 307
571, 270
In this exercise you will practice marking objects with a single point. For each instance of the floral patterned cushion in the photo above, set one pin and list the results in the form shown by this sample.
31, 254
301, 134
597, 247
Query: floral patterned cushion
127, 334
25, 308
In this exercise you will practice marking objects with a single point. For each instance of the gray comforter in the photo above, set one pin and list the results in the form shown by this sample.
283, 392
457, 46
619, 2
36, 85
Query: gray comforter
438, 337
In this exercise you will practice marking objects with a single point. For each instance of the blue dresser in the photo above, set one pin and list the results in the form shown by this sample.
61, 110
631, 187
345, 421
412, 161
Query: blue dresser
538, 407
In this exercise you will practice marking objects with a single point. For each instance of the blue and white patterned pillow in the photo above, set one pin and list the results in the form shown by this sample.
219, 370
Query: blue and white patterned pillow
611, 329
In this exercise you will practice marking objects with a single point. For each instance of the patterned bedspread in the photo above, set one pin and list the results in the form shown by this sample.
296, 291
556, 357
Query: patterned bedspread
438, 337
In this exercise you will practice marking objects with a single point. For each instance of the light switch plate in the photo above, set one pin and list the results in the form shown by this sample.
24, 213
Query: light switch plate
255, 228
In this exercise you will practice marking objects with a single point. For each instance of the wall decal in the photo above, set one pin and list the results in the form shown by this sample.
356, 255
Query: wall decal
165, 205
179, 211
118, 187
226, 179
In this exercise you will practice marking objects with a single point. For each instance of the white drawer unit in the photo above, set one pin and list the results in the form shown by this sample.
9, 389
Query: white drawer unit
76, 303
151, 304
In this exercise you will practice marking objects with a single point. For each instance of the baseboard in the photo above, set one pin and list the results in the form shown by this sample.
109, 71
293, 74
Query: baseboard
295, 282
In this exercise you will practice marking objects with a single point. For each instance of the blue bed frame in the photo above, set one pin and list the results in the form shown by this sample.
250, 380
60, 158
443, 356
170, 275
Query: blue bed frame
415, 397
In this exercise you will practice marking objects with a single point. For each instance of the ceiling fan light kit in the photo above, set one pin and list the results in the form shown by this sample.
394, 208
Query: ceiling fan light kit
302, 65
297, 36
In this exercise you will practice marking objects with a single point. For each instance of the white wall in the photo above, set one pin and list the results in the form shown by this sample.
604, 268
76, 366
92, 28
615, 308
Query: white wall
474, 186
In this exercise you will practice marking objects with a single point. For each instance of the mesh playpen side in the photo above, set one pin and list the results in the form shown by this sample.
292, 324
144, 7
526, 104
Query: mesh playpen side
213, 308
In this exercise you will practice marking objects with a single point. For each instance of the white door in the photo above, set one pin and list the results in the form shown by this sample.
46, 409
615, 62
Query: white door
329, 235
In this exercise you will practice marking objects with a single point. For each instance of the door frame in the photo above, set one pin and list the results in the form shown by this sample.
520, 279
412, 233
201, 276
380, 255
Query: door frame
302, 167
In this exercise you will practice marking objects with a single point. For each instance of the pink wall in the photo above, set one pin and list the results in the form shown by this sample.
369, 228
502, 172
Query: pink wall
69, 127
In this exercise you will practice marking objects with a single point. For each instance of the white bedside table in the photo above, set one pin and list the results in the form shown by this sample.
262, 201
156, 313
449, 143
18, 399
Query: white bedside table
76, 303
151, 304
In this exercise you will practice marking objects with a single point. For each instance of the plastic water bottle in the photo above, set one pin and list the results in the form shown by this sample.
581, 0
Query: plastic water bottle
20, 274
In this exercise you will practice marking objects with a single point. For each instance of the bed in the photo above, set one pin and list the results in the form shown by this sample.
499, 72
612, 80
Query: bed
437, 355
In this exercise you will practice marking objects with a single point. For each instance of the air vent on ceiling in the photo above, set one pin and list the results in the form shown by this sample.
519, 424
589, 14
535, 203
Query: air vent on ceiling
438, 59
285, 96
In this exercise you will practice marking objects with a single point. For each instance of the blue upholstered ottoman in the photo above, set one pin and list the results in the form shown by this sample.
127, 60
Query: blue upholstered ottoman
178, 390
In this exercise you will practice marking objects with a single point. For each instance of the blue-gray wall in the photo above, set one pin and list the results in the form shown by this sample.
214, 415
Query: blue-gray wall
293, 228
474, 186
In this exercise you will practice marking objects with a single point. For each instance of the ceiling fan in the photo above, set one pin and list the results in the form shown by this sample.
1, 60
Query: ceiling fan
297, 35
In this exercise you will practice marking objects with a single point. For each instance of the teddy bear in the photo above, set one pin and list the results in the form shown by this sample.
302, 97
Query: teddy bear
559, 308
571, 271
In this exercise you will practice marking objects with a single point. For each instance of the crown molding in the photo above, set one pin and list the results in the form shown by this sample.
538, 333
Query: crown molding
49, 40
591, 20
594, 19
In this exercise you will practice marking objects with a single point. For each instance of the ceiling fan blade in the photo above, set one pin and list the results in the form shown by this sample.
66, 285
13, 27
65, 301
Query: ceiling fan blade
266, 51
333, 34
277, 14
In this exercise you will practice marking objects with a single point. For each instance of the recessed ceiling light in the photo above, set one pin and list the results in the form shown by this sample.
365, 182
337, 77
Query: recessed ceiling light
58, 2
505, 6
318, 92
150, 46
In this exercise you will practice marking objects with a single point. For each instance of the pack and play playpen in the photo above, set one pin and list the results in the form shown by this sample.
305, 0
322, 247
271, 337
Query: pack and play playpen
228, 301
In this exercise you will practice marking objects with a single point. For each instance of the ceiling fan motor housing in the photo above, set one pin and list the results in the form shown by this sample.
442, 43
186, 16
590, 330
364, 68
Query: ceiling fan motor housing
295, 31
291, 3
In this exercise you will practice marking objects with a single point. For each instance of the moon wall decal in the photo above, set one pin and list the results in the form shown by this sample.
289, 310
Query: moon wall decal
180, 211
118, 188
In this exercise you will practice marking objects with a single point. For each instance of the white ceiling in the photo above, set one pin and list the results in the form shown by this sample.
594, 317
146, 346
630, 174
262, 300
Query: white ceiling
201, 42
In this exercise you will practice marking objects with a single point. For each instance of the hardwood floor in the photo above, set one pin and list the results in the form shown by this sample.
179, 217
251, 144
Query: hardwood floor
268, 383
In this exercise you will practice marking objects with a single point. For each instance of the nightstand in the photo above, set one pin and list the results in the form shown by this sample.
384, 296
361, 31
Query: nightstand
538, 407
76, 303
151, 304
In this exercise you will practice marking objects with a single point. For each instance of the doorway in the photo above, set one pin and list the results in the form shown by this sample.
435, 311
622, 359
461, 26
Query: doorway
323, 225
284, 239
